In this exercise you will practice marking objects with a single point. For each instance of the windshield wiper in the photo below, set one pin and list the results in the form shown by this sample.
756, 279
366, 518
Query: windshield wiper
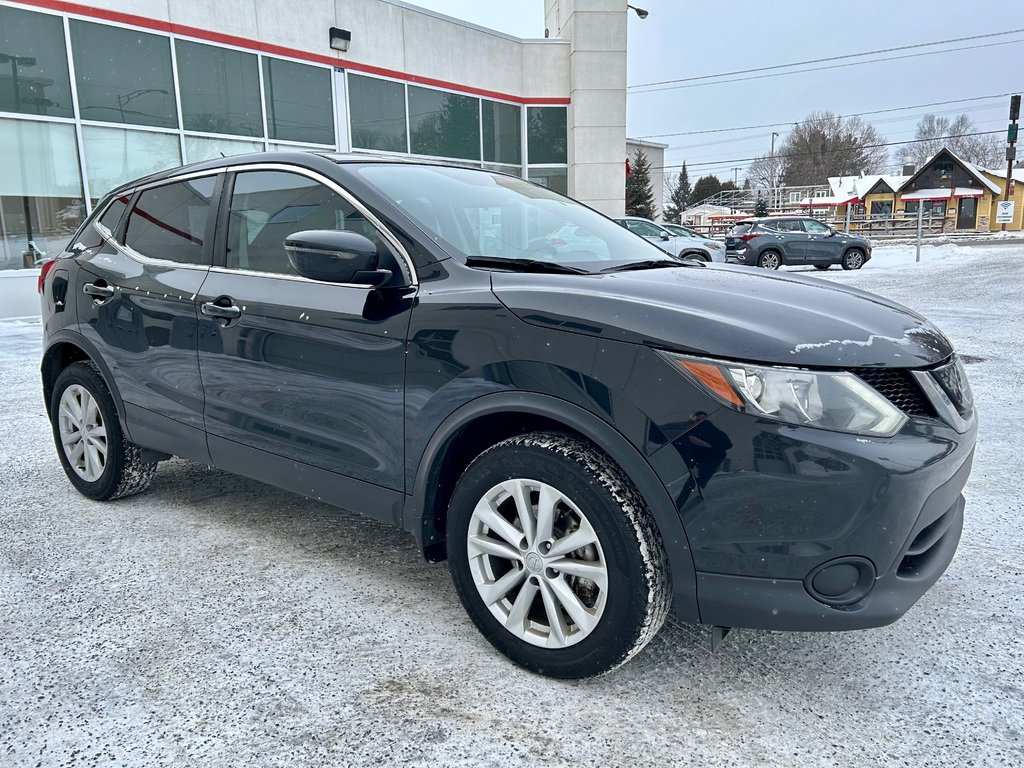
651, 264
524, 265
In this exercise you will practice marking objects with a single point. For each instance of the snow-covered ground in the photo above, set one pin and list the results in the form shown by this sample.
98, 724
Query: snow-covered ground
215, 621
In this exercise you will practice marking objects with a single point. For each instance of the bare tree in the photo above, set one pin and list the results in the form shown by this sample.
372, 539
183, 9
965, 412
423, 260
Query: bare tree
826, 144
935, 132
765, 172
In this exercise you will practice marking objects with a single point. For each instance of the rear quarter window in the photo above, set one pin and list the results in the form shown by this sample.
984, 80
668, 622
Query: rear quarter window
741, 229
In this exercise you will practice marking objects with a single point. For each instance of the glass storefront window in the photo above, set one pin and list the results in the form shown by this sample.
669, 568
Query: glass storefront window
205, 148
122, 75
502, 136
444, 124
377, 111
41, 203
33, 64
546, 135
556, 179
299, 103
220, 89
114, 156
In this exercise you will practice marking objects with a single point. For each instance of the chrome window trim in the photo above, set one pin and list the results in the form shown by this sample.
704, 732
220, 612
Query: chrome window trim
345, 195
130, 192
282, 276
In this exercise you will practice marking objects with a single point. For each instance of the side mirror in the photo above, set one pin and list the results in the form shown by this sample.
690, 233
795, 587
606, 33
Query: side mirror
665, 236
335, 256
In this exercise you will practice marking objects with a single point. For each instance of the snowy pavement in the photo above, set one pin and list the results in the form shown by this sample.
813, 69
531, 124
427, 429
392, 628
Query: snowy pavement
215, 621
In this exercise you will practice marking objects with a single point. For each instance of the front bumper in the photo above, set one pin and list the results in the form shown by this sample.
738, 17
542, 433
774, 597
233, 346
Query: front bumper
784, 503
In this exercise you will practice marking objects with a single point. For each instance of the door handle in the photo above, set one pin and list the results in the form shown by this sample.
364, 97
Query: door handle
221, 312
98, 292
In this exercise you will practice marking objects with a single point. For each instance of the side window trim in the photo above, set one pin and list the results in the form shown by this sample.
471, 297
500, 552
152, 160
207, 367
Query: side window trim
400, 253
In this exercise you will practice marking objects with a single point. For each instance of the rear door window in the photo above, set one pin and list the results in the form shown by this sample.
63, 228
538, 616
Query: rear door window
169, 222
643, 228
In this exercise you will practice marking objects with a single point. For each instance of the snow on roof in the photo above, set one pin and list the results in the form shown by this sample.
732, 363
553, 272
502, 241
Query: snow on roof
708, 208
859, 186
943, 193
1017, 175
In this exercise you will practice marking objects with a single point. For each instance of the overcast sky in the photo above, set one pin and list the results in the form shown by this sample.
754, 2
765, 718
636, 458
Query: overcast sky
687, 38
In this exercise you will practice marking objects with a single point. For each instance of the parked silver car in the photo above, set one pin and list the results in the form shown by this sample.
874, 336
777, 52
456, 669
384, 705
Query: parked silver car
681, 246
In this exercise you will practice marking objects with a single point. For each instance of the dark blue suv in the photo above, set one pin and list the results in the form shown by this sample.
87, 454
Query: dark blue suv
590, 434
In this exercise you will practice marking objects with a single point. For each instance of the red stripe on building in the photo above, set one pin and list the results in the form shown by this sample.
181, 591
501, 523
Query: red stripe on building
279, 50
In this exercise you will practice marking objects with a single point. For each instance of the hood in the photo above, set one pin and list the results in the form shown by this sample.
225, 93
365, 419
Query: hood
730, 312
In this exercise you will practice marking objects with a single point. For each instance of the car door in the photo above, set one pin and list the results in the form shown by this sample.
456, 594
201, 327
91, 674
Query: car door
793, 239
822, 246
297, 372
136, 304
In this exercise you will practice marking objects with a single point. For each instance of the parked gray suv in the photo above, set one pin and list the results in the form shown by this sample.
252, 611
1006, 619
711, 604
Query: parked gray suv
772, 242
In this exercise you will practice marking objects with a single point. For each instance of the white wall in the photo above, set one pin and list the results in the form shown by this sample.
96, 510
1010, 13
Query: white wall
18, 296
597, 89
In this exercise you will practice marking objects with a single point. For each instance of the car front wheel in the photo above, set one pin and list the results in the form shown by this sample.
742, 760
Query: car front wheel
853, 259
97, 457
555, 556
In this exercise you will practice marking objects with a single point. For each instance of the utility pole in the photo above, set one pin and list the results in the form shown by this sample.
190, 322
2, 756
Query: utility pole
1011, 147
772, 181
736, 175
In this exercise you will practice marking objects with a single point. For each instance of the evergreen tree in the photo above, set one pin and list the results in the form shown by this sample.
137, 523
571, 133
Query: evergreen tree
639, 191
761, 206
705, 187
679, 194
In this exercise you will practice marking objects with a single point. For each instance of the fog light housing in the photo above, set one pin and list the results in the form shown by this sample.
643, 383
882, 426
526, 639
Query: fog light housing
841, 582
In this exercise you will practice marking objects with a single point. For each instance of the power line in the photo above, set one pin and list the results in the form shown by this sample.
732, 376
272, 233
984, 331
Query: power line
756, 136
797, 122
830, 66
780, 156
830, 58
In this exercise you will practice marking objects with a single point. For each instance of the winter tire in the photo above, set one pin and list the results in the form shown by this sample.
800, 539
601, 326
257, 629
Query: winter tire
853, 259
555, 556
769, 260
822, 267
97, 458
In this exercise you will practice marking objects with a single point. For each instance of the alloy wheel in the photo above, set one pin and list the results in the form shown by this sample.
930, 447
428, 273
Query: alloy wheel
770, 260
537, 563
83, 435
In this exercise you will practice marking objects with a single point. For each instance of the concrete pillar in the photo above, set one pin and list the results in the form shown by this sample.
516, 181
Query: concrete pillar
596, 30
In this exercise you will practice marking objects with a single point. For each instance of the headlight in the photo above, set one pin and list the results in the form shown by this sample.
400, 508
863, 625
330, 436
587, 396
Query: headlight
838, 401
713, 245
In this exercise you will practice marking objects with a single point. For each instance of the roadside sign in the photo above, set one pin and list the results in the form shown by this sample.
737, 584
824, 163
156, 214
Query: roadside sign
1004, 212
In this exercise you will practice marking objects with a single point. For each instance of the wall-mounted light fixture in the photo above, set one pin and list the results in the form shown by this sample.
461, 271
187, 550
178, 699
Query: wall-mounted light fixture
639, 11
340, 39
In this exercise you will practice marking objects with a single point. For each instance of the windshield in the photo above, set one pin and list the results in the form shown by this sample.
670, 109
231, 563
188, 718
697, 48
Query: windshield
480, 214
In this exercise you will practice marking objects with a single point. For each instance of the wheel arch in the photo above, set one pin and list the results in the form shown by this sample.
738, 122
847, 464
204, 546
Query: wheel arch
65, 348
491, 418
702, 255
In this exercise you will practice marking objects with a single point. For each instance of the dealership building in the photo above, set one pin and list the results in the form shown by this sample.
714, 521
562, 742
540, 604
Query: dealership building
92, 95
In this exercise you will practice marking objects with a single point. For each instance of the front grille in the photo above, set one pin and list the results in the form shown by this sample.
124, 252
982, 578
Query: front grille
898, 386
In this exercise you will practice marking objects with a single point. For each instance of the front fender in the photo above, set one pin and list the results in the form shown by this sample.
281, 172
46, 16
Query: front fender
418, 513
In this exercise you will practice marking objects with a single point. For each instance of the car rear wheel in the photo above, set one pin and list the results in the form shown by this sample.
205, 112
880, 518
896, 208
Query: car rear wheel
853, 259
97, 458
556, 557
769, 260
